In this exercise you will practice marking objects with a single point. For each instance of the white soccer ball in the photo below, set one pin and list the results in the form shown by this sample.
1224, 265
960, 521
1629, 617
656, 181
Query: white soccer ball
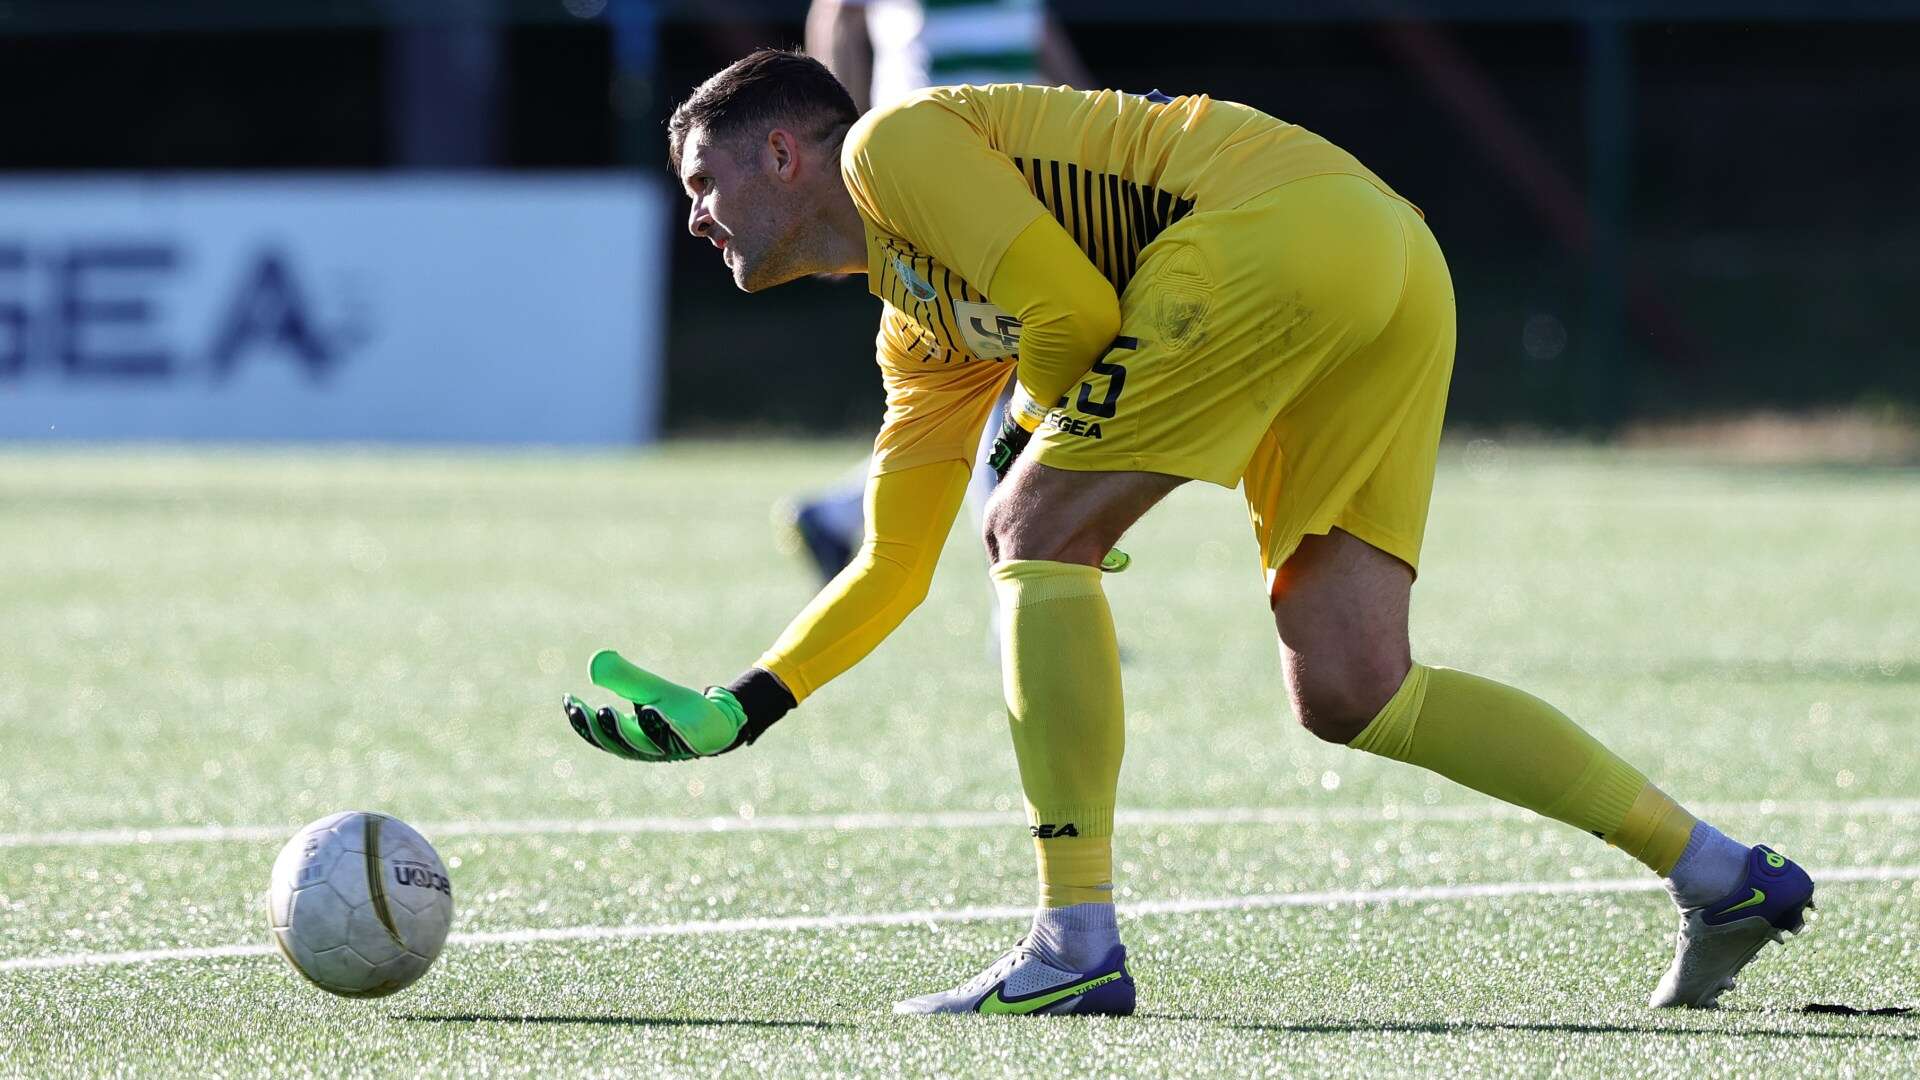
359, 904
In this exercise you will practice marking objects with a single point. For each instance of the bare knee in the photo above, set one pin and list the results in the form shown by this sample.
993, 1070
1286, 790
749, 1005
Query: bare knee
1341, 608
1062, 516
990, 529
1034, 534
1336, 701
1010, 530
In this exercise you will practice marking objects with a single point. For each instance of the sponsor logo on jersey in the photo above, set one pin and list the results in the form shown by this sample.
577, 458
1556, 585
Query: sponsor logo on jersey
988, 331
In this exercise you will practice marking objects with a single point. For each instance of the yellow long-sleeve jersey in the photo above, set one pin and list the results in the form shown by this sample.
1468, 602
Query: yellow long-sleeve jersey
1003, 223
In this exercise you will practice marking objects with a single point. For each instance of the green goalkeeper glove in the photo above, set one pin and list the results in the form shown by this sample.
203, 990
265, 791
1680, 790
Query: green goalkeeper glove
671, 722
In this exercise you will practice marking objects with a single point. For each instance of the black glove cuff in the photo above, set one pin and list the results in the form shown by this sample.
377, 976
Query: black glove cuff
763, 699
1008, 446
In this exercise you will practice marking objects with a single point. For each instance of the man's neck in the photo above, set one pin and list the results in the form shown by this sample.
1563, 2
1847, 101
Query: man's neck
847, 232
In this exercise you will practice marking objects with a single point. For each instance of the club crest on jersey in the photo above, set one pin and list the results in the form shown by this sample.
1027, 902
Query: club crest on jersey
920, 287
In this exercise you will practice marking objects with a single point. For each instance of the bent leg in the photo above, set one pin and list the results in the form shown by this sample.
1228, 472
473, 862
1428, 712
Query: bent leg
1340, 607
1229, 318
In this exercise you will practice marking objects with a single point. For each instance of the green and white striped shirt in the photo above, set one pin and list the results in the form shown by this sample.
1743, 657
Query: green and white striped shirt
921, 43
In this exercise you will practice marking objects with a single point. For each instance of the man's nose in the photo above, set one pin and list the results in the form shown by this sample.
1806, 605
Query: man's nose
698, 220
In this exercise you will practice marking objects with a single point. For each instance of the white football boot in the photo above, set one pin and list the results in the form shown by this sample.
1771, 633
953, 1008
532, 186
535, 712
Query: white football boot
1717, 940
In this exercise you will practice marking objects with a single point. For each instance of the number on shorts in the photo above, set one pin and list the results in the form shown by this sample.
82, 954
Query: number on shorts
1116, 375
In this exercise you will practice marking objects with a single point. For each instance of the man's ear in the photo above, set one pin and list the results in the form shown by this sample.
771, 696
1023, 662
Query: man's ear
785, 149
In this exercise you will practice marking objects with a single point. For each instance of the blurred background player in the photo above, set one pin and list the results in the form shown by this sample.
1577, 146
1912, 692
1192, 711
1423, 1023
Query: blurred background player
883, 50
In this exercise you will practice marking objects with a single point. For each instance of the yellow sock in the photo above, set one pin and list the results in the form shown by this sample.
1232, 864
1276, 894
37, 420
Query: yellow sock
1061, 667
1513, 746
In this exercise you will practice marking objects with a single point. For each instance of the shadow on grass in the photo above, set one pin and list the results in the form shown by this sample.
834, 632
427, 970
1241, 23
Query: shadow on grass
1342, 1027
613, 1021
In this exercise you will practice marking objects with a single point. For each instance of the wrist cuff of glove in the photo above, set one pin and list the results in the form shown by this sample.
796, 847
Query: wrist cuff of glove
1024, 412
762, 698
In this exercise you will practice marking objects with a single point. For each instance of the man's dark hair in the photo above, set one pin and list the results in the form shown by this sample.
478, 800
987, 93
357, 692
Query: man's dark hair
767, 89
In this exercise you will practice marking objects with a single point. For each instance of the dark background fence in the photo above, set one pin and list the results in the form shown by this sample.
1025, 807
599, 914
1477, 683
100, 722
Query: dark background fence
1651, 209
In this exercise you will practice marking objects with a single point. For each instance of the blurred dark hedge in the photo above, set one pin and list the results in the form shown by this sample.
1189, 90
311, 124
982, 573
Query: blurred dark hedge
1727, 224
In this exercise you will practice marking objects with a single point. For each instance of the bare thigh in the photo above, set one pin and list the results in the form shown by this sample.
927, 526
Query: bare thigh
1065, 515
1340, 606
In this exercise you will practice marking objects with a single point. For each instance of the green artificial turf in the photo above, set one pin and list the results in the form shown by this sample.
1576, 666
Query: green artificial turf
259, 637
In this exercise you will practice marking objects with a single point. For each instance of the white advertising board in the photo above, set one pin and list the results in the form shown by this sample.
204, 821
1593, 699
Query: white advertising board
379, 308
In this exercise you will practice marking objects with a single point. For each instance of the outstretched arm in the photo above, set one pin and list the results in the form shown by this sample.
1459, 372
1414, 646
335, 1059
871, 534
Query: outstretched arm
909, 514
919, 478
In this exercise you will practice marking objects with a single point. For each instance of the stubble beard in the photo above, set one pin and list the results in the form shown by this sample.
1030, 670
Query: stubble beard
775, 266
789, 256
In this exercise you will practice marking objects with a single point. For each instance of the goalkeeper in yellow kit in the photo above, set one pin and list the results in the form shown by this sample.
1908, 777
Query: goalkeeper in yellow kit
1185, 289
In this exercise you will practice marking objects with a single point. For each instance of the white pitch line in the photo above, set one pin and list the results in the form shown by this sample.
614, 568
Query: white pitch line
955, 819
791, 923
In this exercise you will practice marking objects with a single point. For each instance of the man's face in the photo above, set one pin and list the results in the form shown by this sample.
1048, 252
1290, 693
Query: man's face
745, 207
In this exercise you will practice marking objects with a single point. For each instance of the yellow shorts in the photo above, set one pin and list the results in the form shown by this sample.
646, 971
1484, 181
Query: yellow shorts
1299, 344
